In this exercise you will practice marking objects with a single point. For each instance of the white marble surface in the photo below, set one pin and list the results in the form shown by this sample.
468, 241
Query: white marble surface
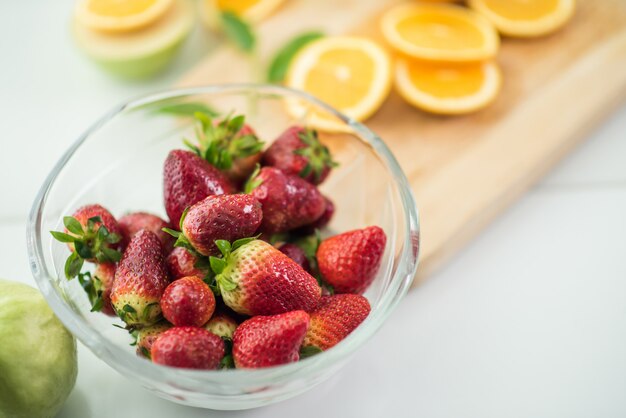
529, 320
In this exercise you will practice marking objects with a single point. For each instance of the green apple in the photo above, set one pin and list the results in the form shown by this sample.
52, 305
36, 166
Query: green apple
141, 53
37, 355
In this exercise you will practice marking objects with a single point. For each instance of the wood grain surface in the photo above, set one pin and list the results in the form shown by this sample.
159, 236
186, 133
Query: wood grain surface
465, 170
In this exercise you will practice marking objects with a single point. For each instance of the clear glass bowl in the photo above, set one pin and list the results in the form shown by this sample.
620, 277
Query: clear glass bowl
118, 163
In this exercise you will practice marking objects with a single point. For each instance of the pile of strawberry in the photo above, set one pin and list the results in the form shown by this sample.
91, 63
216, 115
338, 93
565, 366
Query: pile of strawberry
238, 276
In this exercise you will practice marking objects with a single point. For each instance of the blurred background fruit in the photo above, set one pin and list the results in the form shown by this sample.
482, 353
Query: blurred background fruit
38, 365
138, 42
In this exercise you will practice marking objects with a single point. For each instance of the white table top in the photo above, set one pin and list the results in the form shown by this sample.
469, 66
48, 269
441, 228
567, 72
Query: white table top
529, 320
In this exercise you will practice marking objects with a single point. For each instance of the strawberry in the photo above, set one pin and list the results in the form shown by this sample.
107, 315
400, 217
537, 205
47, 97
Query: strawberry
132, 223
229, 145
147, 336
298, 151
321, 222
334, 318
181, 263
187, 179
349, 261
288, 201
265, 341
226, 217
188, 347
188, 302
140, 279
92, 234
296, 254
255, 278
222, 325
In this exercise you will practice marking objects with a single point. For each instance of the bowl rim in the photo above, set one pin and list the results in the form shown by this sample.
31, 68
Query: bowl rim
403, 274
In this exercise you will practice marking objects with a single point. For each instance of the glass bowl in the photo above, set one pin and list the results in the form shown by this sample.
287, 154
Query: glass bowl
118, 163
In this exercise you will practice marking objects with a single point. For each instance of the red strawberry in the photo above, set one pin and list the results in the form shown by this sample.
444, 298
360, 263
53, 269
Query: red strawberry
299, 152
105, 273
349, 261
188, 347
257, 279
265, 341
147, 336
181, 263
187, 179
222, 325
134, 222
92, 234
226, 217
229, 145
335, 317
296, 254
140, 279
188, 302
321, 222
288, 201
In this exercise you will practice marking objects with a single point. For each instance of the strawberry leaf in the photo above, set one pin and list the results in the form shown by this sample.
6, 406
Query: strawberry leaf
224, 247
217, 264
91, 223
238, 31
253, 182
227, 362
93, 287
73, 264
173, 233
280, 63
73, 225
182, 217
243, 241
309, 351
62, 237
82, 250
186, 109
225, 283
316, 154
110, 255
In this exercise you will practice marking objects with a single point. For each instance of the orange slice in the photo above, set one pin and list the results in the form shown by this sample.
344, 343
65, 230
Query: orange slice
351, 74
251, 10
525, 18
120, 15
448, 88
440, 32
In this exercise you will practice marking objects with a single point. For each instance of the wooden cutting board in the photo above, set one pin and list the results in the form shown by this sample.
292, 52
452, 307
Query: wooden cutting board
465, 170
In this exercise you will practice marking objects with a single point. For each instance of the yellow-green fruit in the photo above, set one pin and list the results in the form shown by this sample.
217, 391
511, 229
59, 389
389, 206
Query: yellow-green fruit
37, 355
141, 53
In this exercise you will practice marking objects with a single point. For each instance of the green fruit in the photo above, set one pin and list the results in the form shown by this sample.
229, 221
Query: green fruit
141, 53
37, 355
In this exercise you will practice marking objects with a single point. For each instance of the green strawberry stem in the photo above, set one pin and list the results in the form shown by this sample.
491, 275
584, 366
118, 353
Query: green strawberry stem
89, 243
253, 182
317, 155
130, 314
227, 361
309, 245
309, 351
220, 144
218, 265
94, 288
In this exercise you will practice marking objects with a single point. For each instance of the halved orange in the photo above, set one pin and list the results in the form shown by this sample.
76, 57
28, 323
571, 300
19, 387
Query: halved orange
251, 10
525, 18
446, 88
351, 74
440, 32
120, 15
